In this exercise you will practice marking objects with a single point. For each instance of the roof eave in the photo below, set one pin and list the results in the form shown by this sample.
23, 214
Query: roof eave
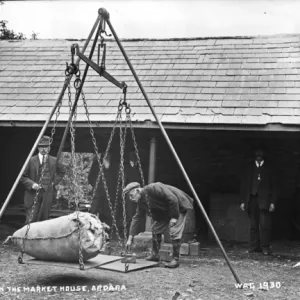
175, 126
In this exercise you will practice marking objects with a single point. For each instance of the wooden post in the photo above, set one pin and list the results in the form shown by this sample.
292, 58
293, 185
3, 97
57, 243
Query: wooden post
151, 173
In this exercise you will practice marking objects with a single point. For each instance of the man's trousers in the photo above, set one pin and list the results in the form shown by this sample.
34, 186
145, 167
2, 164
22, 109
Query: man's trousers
260, 225
176, 231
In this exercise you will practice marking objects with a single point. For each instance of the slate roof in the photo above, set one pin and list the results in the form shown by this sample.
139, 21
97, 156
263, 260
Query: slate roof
215, 81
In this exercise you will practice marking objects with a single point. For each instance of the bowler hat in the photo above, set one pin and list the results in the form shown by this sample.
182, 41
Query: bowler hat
44, 141
130, 186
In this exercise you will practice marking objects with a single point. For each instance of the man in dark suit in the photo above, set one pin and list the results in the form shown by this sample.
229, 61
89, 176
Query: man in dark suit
168, 207
258, 198
45, 186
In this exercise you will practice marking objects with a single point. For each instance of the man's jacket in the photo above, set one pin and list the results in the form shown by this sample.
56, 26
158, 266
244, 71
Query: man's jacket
267, 188
166, 202
31, 176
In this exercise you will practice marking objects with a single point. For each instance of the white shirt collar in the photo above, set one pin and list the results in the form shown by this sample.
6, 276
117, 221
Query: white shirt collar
41, 158
259, 164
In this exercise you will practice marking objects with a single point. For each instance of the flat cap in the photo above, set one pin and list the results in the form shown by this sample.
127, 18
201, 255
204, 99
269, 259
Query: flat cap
130, 186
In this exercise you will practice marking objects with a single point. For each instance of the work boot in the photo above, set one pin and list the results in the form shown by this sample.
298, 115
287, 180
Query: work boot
154, 256
174, 263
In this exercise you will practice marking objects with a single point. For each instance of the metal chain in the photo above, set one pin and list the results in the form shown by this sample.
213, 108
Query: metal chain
114, 222
136, 149
121, 170
70, 111
101, 172
96, 148
122, 146
75, 181
154, 234
20, 258
66, 83
120, 176
118, 188
117, 192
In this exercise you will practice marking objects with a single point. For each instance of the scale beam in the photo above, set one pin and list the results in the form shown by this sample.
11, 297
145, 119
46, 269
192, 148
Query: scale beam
100, 70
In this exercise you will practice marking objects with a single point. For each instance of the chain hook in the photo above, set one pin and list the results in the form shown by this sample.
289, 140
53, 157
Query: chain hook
103, 31
125, 91
126, 267
20, 258
72, 68
102, 39
128, 109
124, 103
77, 83
73, 52
120, 107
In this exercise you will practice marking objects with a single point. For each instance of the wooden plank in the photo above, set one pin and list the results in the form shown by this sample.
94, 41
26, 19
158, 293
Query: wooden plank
92, 263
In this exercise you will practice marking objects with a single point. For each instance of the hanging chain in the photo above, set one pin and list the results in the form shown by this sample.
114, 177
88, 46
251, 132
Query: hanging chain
154, 234
122, 104
75, 178
121, 169
118, 182
101, 171
20, 258
122, 146
117, 192
67, 81
96, 149
136, 149
72, 179
121, 180
95, 143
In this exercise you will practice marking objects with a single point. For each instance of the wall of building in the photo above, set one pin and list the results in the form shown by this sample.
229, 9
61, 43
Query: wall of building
18, 142
213, 160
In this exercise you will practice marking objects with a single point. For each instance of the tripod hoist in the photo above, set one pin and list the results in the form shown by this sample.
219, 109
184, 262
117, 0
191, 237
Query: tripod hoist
103, 19
124, 125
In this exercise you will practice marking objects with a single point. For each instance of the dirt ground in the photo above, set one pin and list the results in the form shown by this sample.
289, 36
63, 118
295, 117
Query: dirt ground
206, 277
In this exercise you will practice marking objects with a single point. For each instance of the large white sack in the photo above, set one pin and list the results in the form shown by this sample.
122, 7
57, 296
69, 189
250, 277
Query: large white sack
57, 239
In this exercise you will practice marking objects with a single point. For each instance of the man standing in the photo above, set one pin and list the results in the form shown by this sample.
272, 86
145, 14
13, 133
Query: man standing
45, 186
258, 198
168, 206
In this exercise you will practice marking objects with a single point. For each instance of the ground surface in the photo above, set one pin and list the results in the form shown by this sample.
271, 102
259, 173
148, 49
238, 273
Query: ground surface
206, 277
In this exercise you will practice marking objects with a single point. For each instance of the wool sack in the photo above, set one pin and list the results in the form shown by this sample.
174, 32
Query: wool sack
58, 239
